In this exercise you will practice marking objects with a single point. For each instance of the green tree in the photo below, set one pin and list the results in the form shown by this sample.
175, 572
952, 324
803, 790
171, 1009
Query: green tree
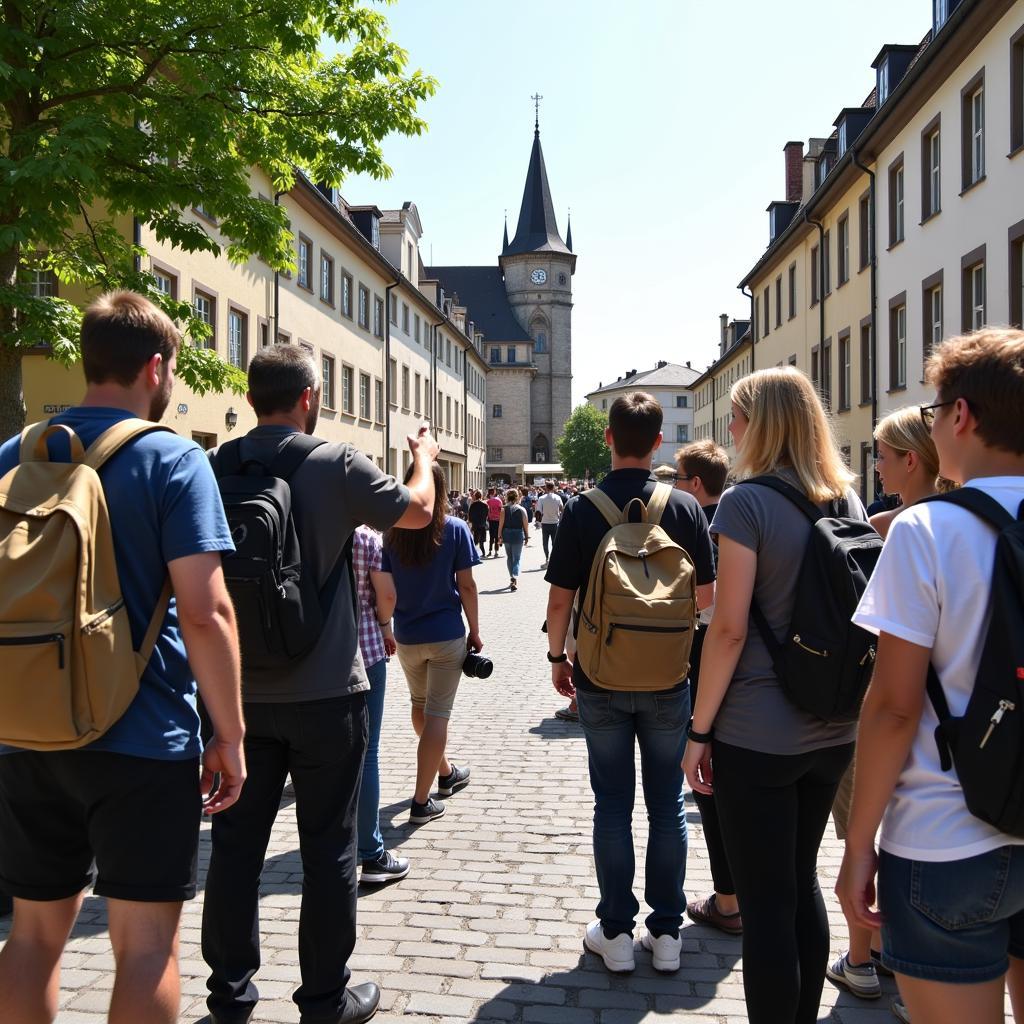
582, 448
119, 109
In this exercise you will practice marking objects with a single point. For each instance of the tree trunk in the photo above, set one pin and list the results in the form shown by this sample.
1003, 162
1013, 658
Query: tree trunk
12, 400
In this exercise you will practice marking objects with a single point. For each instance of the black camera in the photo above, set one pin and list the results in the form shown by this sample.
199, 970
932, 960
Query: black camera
476, 666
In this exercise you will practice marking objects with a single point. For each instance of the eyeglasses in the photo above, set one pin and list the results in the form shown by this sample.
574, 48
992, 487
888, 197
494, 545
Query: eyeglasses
928, 411
684, 478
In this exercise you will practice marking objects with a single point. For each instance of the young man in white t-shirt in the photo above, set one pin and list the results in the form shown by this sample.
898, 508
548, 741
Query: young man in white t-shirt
550, 508
951, 887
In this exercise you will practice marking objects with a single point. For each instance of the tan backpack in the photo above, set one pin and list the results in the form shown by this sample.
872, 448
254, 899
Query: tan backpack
637, 620
67, 668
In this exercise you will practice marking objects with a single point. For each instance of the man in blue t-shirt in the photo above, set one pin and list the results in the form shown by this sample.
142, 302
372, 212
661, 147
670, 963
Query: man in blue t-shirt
131, 801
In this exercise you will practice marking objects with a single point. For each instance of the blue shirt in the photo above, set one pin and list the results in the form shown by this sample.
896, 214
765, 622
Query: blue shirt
429, 609
164, 504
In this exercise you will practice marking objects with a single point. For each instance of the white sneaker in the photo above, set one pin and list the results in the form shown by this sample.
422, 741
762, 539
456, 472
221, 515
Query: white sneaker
616, 953
861, 981
543, 565
664, 949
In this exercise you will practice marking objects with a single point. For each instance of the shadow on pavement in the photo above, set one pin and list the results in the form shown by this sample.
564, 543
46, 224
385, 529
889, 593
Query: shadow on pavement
557, 729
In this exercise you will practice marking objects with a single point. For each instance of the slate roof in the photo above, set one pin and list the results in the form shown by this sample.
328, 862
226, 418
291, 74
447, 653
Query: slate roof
482, 291
538, 229
671, 375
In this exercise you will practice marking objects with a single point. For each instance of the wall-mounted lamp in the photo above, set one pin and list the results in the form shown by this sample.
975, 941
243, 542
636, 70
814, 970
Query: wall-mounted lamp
231, 418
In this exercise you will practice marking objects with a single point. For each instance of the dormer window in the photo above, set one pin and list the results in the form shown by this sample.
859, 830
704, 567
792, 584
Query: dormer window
842, 137
941, 13
883, 79
375, 232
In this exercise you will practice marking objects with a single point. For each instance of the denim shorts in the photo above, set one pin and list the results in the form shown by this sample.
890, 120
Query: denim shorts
952, 921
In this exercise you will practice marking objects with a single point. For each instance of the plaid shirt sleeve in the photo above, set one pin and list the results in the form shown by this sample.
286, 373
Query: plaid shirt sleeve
366, 557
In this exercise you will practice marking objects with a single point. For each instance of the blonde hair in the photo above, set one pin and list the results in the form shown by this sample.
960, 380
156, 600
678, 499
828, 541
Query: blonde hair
787, 426
904, 431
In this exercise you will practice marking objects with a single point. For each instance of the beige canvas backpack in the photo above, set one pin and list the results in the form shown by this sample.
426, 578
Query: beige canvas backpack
67, 668
637, 620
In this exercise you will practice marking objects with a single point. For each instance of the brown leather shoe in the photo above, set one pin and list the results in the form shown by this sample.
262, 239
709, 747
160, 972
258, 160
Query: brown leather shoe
706, 912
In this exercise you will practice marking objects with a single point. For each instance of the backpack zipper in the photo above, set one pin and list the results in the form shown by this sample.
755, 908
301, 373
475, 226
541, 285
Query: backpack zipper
103, 616
44, 638
997, 717
642, 629
809, 650
869, 655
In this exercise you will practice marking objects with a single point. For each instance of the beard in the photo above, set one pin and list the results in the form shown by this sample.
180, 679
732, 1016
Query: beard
314, 413
161, 398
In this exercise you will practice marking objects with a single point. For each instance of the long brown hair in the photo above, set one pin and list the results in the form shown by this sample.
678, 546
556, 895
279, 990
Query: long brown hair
418, 547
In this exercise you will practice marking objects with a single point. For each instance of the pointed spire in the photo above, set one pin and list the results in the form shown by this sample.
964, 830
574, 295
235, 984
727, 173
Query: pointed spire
568, 232
538, 229
504, 244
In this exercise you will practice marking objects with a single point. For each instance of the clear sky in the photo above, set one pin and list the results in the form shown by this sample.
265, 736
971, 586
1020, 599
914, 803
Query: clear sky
662, 125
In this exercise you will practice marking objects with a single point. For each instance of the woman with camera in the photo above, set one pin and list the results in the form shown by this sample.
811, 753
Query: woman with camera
514, 530
432, 569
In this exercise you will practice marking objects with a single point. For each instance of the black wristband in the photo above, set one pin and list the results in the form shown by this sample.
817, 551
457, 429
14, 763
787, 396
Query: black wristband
699, 737
557, 659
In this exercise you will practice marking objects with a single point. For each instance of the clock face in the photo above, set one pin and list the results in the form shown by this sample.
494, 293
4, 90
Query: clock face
539, 276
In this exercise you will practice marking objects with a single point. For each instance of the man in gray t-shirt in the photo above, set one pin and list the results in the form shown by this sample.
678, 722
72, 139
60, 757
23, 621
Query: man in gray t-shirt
308, 719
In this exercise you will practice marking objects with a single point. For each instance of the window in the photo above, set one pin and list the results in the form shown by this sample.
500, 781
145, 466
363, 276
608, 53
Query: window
1016, 238
378, 400
364, 396
898, 342
305, 258
326, 278
427, 396
816, 366
495, 454
378, 317
205, 306
826, 372
405, 388
767, 313
264, 331
883, 79
541, 343
408, 248
826, 263
43, 283
864, 216
495, 354
364, 307
931, 315
238, 338
511, 354
1017, 91
347, 396
757, 317
792, 290
974, 288
896, 202
447, 351
496, 412
682, 401
972, 115
682, 433
166, 284
405, 318
778, 301
393, 308
417, 382
815, 280
327, 381
392, 382
845, 381
931, 170
941, 13
416, 327
843, 248
448, 413
346, 294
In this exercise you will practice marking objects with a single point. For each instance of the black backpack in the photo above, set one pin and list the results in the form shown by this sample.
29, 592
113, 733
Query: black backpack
824, 664
987, 744
278, 606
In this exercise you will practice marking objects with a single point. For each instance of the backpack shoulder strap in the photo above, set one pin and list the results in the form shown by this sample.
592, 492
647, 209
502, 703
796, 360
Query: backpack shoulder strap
611, 512
33, 442
292, 454
942, 712
658, 503
227, 461
114, 438
787, 490
984, 506
145, 651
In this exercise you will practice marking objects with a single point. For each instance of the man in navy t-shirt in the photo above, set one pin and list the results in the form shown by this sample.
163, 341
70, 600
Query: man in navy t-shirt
130, 801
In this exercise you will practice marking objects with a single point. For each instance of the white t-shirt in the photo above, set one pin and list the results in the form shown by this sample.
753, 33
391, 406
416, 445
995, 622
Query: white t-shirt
550, 509
931, 588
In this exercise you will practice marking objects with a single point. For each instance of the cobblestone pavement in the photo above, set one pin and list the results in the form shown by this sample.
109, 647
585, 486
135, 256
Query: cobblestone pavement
488, 926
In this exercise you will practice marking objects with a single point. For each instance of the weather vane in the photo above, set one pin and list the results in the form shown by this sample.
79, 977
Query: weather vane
536, 97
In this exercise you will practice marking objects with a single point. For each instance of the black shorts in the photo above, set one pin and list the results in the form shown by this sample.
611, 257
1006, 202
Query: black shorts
137, 818
480, 533
492, 529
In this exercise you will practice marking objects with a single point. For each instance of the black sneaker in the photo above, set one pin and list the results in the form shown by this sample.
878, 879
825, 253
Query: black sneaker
386, 868
448, 784
420, 814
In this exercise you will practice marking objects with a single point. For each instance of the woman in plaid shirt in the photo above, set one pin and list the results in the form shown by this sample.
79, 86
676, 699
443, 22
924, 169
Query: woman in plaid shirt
375, 592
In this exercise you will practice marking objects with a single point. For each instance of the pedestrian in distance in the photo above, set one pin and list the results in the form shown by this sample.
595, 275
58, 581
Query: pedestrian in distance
376, 595
494, 506
549, 508
477, 516
127, 804
701, 469
629, 674
514, 530
939, 742
432, 573
774, 766
305, 685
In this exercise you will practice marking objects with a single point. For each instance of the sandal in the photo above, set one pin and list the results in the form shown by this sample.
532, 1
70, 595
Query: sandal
706, 912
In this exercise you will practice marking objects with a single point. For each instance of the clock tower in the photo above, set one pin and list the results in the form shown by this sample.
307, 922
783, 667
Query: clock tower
537, 268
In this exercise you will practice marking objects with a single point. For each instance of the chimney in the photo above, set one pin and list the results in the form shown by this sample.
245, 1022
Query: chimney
688, 366
724, 321
794, 171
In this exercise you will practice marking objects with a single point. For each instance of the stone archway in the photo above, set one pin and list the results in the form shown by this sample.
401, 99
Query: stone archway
541, 450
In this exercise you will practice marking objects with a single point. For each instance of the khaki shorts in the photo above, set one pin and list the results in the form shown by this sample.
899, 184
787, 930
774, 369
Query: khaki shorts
432, 672
842, 801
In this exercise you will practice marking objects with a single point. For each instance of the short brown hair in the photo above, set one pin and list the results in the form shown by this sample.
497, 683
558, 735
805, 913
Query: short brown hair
706, 460
986, 369
121, 332
278, 375
635, 422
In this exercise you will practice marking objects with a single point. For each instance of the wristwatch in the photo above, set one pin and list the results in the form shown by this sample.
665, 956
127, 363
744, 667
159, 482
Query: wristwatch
557, 659
699, 737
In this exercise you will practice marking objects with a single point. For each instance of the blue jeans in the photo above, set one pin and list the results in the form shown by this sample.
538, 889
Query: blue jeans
371, 843
513, 540
612, 723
